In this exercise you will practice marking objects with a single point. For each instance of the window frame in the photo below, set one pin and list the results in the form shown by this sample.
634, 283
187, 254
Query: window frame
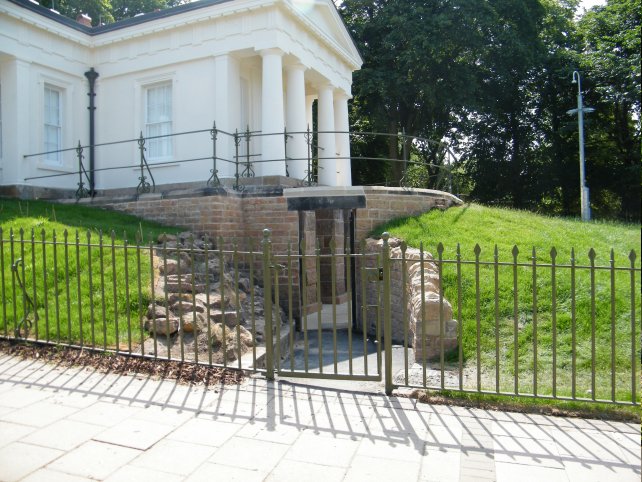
53, 158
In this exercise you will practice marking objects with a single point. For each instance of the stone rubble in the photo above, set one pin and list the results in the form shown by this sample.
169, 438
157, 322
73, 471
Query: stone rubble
202, 307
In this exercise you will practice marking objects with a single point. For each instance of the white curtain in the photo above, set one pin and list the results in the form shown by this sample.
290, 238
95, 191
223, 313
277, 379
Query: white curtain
158, 121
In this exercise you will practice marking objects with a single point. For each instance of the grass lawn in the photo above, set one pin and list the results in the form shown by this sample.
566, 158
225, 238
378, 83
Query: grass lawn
546, 329
84, 278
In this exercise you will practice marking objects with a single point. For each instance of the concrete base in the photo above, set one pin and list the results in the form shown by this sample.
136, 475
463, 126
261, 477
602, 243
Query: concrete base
327, 318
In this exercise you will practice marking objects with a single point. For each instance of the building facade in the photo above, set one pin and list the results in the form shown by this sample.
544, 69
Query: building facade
238, 65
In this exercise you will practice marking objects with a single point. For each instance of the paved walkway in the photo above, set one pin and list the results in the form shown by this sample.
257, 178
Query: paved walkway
76, 424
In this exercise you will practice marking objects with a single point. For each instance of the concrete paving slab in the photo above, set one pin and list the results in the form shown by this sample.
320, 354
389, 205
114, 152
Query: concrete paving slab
95, 460
174, 457
63, 435
18, 460
281, 430
133, 433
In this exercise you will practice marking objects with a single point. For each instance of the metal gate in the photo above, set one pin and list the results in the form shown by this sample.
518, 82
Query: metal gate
340, 340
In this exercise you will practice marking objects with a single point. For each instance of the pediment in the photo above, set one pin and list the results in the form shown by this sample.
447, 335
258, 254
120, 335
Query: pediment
323, 15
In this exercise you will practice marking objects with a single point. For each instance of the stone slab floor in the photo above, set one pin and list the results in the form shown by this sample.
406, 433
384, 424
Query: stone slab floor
73, 424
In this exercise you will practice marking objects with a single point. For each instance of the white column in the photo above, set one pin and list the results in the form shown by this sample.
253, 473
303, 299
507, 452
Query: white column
327, 138
272, 118
296, 121
342, 125
227, 99
17, 127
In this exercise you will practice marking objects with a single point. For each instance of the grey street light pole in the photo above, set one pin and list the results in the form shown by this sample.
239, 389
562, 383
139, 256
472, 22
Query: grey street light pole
584, 190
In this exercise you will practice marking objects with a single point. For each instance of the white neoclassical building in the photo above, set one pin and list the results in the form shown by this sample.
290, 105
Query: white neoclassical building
257, 64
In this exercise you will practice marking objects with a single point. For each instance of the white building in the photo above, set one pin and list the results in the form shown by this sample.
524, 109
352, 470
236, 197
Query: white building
238, 63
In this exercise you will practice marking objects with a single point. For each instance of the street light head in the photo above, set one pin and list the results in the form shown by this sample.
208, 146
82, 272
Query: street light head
576, 77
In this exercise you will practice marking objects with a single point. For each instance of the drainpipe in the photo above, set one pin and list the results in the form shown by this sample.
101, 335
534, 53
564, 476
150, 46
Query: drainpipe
91, 75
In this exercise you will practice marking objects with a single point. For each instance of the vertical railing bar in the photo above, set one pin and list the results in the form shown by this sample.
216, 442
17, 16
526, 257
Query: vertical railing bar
127, 301
13, 280
290, 304
90, 296
333, 289
387, 315
194, 320
440, 270
78, 287
34, 288
67, 291
304, 284
181, 322
515, 252
496, 284
422, 271
139, 289
3, 285
252, 310
168, 339
348, 265
364, 307
379, 316
44, 284
221, 273
102, 288
267, 282
478, 316
634, 382
404, 309
554, 317
152, 285
277, 300
534, 264
612, 260
573, 329
24, 278
320, 304
207, 286
114, 288
460, 328
593, 364
57, 297
237, 304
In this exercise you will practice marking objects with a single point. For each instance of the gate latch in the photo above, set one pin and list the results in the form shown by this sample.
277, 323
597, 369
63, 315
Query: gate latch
380, 274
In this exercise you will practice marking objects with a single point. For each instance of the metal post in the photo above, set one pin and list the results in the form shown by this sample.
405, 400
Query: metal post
387, 314
584, 190
267, 284
92, 75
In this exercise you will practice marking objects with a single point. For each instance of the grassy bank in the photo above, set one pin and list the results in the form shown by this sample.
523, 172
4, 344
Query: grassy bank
79, 267
560, 316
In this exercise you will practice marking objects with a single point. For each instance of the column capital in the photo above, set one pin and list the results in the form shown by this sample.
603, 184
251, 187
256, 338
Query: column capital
341, 95
296, 66
272, 51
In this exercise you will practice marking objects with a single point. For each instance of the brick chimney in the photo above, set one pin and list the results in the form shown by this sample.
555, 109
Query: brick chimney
84, 19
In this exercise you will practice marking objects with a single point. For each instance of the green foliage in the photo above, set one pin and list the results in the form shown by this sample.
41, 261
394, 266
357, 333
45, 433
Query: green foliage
535, 236
108, 11
76, 274
493, 80
417, 176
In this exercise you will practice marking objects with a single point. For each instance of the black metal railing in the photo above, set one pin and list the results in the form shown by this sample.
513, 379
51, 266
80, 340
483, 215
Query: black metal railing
414, 153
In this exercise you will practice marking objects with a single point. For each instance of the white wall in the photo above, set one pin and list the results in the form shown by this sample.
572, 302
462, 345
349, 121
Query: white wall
181, 49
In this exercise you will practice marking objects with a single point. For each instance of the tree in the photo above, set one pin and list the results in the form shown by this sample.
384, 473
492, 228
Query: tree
108, 11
